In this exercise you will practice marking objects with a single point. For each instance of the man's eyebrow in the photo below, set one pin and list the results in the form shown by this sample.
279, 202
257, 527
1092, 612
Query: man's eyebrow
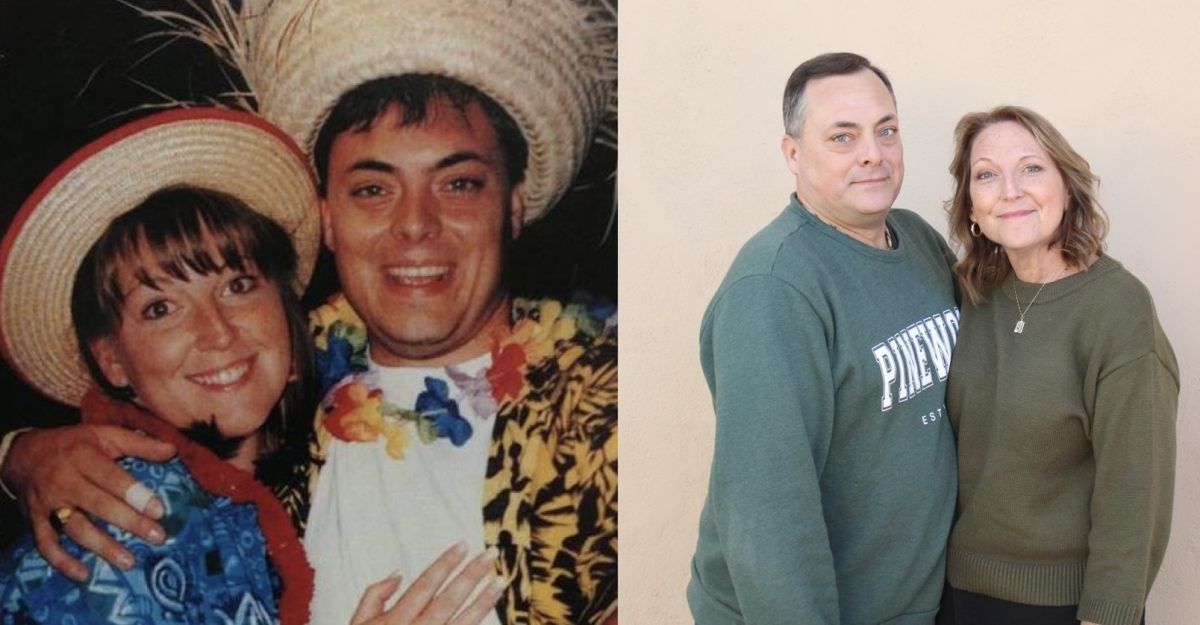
460, 157
890, 117
368, 164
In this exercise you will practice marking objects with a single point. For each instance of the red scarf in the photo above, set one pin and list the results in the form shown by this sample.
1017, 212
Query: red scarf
223, 479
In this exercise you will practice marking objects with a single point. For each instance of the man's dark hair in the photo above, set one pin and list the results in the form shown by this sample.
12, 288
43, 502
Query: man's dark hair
830, 64
360, 107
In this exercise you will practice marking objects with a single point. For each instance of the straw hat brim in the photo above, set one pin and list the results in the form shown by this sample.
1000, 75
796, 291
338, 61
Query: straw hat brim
233, 152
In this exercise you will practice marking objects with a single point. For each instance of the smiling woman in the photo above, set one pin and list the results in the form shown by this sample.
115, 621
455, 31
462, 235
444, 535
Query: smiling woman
181, 298
1063, 392
181, 305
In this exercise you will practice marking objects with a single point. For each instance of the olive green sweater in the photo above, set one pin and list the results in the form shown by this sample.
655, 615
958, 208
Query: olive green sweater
1066, 445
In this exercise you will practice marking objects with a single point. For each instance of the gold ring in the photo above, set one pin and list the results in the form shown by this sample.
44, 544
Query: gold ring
59, 517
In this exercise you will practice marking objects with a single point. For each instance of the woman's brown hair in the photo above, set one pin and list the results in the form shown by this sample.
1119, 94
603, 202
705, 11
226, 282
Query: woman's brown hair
1084, 225
181, 229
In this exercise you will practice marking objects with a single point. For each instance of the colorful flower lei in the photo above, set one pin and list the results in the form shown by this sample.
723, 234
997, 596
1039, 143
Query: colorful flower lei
355, 408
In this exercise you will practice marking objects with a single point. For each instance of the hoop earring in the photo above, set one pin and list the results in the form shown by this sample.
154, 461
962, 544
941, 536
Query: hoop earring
974, 230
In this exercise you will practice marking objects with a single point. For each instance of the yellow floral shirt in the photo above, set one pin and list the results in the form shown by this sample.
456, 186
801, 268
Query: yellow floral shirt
550, 493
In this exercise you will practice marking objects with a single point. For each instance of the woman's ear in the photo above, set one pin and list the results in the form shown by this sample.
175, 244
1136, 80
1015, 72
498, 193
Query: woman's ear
104, 350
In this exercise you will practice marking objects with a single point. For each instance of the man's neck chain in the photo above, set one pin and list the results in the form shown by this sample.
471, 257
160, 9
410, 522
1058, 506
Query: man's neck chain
887, 232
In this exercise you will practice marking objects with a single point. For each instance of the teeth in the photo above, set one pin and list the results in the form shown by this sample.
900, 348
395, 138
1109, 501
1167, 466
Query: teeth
424, 272
223, 377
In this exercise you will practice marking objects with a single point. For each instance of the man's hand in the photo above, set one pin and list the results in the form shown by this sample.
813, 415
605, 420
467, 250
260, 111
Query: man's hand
424, 604
74, 467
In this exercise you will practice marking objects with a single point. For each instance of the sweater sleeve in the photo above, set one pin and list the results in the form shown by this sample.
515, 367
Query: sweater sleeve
1133, 440
770, 373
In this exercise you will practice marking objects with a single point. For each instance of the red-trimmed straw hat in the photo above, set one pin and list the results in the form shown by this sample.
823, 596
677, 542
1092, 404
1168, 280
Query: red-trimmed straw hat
233, 152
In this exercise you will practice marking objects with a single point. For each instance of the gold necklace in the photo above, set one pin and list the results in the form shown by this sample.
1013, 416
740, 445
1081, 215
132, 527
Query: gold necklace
1020, 327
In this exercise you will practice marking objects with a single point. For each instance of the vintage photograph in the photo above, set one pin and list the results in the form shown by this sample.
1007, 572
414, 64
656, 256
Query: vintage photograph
308, 311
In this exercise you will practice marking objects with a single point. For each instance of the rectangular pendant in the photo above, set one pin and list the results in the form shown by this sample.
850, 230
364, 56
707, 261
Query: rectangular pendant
1020, 327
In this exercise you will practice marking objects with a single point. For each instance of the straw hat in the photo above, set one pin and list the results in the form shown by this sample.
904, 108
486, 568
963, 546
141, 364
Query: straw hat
229, 151
550, 63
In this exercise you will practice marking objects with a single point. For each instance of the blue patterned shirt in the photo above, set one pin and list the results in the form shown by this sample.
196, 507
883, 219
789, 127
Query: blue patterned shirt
213, 567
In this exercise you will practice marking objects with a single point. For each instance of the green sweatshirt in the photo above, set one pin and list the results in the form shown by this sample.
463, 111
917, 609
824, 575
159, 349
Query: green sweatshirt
833, 473
1066, 437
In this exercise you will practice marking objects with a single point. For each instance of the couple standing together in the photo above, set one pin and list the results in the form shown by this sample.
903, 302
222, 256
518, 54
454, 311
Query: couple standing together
152, 280
836, 493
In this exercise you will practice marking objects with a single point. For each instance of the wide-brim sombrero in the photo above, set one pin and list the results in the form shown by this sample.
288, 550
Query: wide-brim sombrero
233, 152
549, 63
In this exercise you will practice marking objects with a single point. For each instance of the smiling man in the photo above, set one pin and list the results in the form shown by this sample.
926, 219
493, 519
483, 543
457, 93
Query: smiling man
422, 180
419, 206
826, 349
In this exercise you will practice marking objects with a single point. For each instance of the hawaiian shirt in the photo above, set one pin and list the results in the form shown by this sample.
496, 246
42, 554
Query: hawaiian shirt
550, 493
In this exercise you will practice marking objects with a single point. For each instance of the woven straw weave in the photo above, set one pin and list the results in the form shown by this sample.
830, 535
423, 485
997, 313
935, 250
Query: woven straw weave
542, 60
44, 247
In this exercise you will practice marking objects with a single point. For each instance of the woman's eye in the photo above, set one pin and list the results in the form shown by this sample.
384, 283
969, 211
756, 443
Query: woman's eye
157, 309
984, 175
243, 284
1033, 169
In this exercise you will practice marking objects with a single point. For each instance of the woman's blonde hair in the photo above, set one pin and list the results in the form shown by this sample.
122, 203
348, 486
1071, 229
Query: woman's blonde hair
1084, 225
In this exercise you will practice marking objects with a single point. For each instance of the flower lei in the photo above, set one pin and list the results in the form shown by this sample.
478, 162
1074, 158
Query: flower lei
355, 408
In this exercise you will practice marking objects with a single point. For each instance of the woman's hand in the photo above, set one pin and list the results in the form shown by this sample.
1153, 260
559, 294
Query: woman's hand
427, 602
75, 467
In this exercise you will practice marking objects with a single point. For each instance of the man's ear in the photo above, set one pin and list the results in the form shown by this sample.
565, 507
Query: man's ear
791, 153
516, 211
104, 350
327, 225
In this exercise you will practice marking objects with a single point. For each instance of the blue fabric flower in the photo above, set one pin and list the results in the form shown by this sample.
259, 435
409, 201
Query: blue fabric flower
592, 314
601, 310
333, 364
439, 410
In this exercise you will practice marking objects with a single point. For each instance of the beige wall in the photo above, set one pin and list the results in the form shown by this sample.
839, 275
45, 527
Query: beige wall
701, 171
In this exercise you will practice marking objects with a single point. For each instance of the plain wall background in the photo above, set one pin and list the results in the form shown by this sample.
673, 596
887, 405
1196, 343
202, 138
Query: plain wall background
701, 171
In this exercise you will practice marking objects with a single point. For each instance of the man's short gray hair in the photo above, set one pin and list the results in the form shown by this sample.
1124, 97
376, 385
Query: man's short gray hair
829, 64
